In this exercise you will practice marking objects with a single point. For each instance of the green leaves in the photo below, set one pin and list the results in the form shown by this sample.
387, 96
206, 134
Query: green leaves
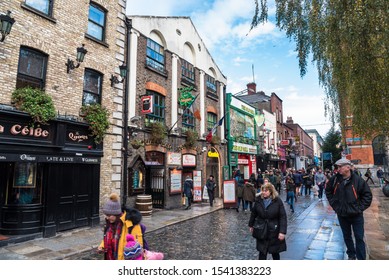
349, 43
35, 102
97, 117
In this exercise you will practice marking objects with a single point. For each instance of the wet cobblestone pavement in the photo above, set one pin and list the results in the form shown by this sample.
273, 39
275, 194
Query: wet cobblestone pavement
221, 235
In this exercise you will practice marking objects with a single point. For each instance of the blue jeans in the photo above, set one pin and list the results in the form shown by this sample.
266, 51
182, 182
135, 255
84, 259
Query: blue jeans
240, 200
290, 199
247, 205
357, 225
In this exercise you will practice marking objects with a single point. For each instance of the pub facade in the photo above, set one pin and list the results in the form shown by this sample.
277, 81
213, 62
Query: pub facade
49, 175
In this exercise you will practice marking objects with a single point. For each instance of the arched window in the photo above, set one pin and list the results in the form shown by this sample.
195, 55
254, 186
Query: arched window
31, 69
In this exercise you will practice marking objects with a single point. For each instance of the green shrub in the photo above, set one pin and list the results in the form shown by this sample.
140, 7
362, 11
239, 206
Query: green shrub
35, 102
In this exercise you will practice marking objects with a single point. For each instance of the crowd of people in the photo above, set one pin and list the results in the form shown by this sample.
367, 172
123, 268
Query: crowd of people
346, 191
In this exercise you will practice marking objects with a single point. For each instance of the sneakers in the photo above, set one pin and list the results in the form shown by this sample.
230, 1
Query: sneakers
352, 258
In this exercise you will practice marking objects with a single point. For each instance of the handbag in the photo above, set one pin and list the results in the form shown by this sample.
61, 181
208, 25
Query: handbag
184, 200
260, 229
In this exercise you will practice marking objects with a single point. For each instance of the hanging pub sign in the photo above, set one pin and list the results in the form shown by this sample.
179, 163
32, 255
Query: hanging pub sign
147, 104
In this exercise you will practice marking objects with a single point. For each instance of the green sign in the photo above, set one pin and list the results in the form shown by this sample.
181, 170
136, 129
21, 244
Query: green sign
186, 98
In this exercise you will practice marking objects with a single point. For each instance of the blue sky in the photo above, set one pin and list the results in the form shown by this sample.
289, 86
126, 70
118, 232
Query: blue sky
224, 27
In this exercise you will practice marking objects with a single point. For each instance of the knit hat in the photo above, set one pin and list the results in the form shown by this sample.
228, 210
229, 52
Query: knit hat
112, 206
132, 250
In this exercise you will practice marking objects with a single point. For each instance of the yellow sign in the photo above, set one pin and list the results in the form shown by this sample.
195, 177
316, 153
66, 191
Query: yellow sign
213, 154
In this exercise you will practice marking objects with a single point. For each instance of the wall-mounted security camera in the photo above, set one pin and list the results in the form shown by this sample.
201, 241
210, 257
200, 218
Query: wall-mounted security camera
135, 119
134, 134
204, 149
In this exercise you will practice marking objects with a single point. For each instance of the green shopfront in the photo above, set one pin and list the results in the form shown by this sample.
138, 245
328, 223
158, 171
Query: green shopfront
242, 136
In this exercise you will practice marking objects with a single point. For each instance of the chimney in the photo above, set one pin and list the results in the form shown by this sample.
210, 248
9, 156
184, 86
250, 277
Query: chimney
289, 120
251, 88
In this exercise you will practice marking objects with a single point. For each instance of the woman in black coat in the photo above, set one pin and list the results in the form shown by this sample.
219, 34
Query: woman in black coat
269, 206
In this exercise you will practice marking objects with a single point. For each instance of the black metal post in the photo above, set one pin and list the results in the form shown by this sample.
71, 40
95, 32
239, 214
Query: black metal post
125, 117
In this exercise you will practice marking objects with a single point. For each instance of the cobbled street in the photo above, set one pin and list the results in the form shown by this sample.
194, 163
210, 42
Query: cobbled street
223, 235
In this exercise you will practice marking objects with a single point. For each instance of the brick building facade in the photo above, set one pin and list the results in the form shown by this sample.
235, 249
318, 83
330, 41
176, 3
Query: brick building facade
71, 178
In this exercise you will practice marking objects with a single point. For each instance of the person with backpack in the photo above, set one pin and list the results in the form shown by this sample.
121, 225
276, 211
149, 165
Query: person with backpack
349, 195
308, 181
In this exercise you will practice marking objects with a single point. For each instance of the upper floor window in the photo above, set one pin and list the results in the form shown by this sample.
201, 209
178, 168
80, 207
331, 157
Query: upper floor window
31, 69
187, 70
43, 6
188, 120
211, 120
92, 87
96, 22
158, 114
211, 83
155, 56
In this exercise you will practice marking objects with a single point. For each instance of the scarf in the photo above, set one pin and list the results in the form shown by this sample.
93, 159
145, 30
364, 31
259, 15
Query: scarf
111, 239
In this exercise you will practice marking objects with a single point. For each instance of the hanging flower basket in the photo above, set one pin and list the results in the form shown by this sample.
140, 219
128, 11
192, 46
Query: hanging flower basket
136, 144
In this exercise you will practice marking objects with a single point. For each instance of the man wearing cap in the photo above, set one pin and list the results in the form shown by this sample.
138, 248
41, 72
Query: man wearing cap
349, 195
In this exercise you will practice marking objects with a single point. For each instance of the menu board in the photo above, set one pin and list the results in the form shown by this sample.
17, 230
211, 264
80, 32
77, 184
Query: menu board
229, 195
175, 181
196, 185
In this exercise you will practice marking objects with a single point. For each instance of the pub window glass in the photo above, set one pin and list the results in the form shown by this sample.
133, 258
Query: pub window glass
137, 176
23, 188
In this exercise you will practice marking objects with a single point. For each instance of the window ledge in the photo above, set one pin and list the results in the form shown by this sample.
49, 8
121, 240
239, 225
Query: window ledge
157, 71
39, 13
96, 40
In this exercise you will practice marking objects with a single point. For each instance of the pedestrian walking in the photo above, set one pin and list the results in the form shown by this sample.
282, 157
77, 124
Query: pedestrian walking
268, 208
298, 181
349, 195
308, 181
320, 180
368, 176
239, 194
188, 191
248, 196
278, 181
380, 176
118, 223
211, 185
290, 191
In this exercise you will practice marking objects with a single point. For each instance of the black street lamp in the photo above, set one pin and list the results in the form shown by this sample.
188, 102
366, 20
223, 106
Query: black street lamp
6, 23
81, 52
123, 73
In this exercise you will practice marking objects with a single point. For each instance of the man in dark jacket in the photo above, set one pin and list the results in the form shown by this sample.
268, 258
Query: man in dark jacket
349, 195
211, 185
188, 191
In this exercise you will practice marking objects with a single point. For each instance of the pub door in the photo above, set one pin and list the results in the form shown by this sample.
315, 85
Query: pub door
74, 184
155, 182
213, 169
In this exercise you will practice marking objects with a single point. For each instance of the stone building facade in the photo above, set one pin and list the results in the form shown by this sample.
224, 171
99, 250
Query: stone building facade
71, 178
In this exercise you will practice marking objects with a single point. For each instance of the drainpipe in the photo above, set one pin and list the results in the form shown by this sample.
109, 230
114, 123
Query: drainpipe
128, 23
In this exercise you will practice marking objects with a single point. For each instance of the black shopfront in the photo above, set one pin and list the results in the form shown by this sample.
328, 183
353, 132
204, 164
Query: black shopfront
49, 176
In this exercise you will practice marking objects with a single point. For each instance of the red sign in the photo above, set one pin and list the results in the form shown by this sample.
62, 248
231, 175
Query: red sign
284, 142
147, 104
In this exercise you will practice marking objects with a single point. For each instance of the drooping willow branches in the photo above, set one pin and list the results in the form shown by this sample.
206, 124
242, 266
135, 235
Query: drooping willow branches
349, 43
